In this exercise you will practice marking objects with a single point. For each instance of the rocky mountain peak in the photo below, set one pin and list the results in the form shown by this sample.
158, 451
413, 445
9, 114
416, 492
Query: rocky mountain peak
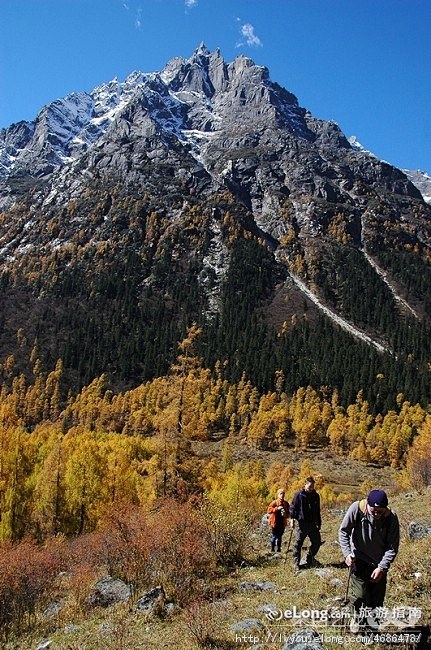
202, 49
201, 94
203, 72
228, 120
147, 196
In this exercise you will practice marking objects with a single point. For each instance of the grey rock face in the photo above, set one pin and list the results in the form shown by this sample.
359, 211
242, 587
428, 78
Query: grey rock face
305, 639
422, 181
418, 531
212, 124
257, 586
247, 625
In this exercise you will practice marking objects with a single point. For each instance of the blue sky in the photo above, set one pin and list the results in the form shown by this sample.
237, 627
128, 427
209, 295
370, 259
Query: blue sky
363, 63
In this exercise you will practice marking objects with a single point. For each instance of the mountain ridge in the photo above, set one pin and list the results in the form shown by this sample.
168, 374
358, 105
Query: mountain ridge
179, 171
205, 75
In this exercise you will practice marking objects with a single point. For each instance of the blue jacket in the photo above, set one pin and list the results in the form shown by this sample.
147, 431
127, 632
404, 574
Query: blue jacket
306, 507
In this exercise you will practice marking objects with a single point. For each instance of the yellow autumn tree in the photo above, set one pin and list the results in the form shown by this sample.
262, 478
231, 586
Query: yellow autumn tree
338, 431
241, 486
269, 426
418, 464
305, 471
360, 420
18, 458
48, 498
310, 417
374, 442
85, 485
397, 431
190, 384
278, 476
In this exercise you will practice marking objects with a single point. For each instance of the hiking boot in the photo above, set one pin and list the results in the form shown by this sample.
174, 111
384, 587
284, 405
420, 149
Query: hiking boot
312, 562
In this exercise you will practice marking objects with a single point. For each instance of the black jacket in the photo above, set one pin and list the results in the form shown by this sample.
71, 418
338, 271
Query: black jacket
306, 507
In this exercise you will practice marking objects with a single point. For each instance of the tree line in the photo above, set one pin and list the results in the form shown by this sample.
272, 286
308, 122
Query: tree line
65, 459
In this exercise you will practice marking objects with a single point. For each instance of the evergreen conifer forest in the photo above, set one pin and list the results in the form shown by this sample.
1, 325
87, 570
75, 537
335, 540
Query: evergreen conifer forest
119, 304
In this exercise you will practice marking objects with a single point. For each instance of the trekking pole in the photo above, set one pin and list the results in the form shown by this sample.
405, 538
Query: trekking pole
288, 546
346, 597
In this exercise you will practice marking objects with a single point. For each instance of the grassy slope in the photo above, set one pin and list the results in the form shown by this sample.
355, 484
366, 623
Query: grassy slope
119, 628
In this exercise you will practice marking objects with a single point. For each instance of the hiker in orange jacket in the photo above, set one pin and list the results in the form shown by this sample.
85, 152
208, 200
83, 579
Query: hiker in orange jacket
279, 513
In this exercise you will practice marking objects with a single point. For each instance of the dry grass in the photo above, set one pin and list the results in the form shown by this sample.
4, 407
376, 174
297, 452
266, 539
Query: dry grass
206, 623
343, 474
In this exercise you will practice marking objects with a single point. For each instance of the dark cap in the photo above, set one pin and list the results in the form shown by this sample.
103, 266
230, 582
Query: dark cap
378, 499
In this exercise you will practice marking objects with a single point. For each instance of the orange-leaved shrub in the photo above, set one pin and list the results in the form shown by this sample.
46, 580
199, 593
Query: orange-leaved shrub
177, 545
82, 566
27, 582
168, 546
123, 546
182, 557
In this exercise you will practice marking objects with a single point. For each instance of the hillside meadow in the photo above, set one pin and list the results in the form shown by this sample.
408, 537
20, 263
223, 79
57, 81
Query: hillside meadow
225, 589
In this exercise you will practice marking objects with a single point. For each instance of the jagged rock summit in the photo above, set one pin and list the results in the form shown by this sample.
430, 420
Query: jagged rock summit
160, 177
228, 121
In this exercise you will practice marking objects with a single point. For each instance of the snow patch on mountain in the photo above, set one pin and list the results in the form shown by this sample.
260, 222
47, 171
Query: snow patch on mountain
65, 128
357, 146
190, 99
422, 180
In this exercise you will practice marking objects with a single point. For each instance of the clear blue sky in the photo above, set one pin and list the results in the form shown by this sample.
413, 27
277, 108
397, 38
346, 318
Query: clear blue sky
363, 63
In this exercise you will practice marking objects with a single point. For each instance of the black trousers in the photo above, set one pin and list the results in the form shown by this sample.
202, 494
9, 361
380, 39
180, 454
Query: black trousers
306, 529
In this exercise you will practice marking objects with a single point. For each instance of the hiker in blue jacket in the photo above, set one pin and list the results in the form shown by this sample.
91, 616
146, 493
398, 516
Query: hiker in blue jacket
369, 537
305, 509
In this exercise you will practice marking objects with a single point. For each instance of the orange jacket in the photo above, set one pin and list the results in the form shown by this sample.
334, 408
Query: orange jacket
273, 508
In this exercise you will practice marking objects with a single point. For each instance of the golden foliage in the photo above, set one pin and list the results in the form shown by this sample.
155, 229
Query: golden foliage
63, 464
419, 458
